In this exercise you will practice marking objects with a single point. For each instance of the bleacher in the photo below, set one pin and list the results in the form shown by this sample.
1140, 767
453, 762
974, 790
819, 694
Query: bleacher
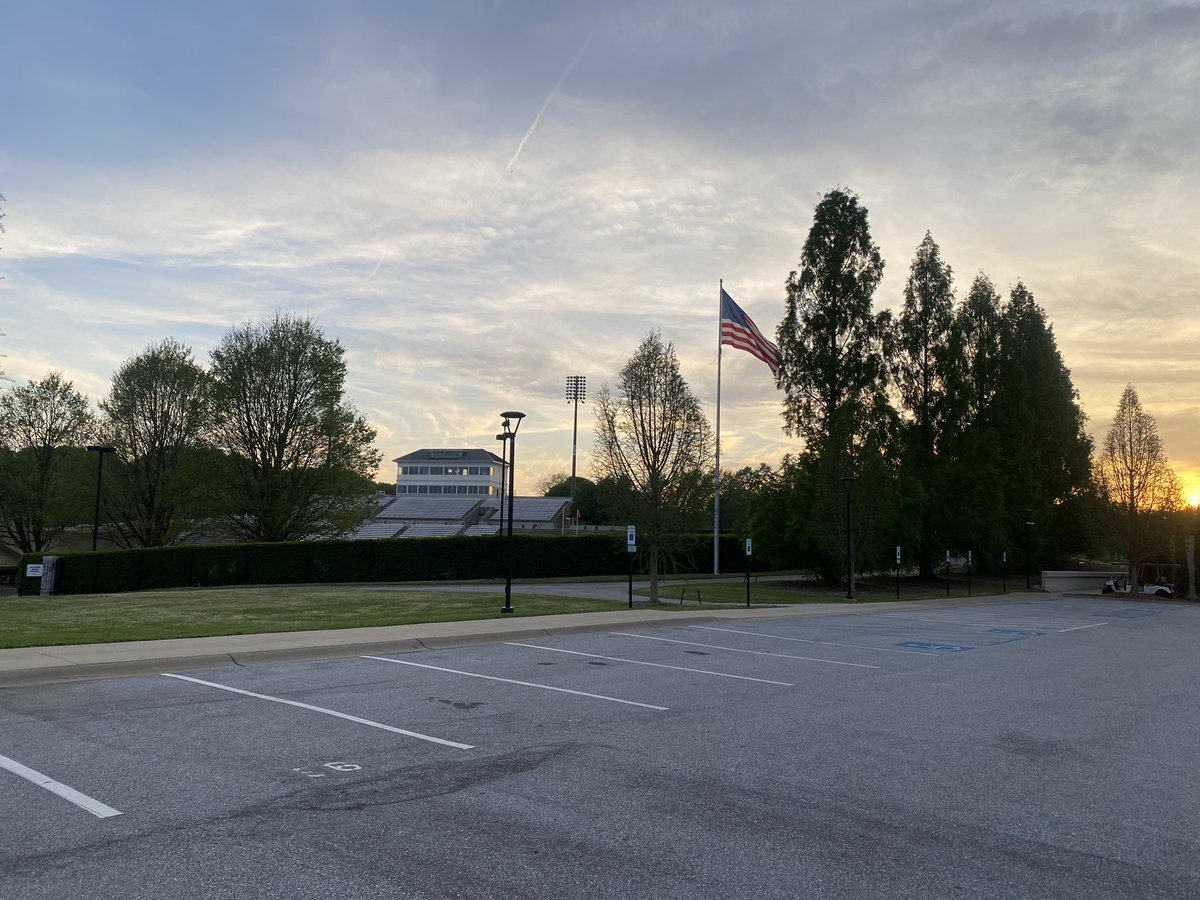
482, 529
431, 529
374, 530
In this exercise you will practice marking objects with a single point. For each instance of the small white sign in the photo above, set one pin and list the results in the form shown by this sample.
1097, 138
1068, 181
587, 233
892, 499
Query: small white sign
34, 570
631, 538
897, 554
947, 556
968, 557
1005, 556
748, 547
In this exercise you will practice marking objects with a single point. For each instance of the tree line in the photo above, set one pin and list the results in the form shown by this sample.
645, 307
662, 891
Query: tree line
953, 425
261, 444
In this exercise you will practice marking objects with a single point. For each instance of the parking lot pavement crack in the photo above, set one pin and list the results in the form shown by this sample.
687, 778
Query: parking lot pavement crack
422, 782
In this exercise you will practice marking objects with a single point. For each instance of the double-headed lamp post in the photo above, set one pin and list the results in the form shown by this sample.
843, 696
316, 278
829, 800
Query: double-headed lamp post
848, 484
93, 448
510, 433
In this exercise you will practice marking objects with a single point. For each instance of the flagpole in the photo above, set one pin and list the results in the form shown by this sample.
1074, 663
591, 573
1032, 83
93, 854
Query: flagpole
717, 472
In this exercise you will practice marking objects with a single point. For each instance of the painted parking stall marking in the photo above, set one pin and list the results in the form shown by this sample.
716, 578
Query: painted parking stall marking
639, 662
832, 662
941, 648
544, 687
781, 637
329, 712
1058, 627
83, 801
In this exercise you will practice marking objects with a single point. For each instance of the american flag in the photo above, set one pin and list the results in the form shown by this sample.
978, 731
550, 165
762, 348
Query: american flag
738, 330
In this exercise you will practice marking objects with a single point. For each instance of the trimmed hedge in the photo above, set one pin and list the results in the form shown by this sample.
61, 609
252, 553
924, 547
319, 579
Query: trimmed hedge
317, 562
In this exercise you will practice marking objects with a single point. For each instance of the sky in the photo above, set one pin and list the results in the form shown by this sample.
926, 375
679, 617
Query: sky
479, 198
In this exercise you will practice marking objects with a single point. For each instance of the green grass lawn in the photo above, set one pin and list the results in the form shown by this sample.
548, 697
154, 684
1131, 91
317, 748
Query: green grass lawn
150, 615
204, 612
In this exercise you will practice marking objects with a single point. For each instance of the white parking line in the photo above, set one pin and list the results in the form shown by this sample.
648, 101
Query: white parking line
1044, 626
638, 662
83, 801
832, 662
780, 637
328, 712
544, 687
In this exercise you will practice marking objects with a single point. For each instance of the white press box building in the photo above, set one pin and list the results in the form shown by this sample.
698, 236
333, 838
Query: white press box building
447, 492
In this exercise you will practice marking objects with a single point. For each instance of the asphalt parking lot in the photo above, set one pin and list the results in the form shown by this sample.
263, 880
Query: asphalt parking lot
1041, 748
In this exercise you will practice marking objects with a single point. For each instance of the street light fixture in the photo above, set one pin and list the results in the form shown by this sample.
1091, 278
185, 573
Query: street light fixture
92, 448
510, 433
848, 484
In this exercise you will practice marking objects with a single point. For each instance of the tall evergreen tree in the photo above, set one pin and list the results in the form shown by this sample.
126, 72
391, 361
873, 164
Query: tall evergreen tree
831, 360
924, 366
834, 377
1038, 427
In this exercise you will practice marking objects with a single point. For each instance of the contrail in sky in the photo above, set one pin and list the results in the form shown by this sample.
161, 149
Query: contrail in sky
377, 265
546, 103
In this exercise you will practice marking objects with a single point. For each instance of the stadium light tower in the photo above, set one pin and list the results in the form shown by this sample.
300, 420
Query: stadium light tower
576, 393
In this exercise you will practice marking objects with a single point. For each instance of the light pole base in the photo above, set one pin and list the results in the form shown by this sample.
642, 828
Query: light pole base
506, 609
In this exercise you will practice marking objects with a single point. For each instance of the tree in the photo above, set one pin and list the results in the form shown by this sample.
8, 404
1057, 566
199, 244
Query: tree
1042, 448
39, 424
923, 364
1136, 479
154, 416
652, 434
834, 376
587, 498
302, 458
831, 361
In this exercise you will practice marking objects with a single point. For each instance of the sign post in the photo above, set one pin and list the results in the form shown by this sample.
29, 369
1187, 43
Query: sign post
968, 573
631, 547
748, 550
947, 573
897, 571
1004, 572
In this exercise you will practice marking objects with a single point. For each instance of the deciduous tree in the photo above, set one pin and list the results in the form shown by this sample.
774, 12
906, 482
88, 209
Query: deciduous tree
1137, 480
154, 416
651, 434
40, 423
301, 456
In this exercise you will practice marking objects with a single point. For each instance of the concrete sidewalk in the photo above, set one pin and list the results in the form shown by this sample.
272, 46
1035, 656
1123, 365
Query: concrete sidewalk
78, 662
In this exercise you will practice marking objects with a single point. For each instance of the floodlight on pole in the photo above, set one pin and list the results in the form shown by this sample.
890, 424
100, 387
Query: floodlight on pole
576, 394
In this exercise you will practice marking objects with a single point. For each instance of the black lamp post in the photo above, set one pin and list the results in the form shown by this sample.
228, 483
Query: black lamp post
510, 433
1028, 522
92, 448
848, 484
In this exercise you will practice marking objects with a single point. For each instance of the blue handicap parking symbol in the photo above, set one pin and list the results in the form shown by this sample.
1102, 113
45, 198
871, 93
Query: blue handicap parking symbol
926, 645
1015, 631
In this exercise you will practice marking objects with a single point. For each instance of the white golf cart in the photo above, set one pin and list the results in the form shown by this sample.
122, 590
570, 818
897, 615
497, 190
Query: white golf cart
1157, 579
